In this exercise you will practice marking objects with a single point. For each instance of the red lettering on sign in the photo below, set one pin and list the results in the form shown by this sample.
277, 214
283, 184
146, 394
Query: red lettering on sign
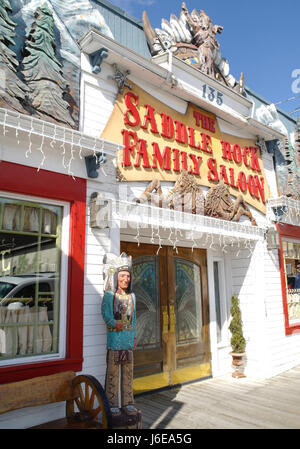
237, 154
176, 159
136, 150
212, 174
181, 135
254, 160
232, 180
131, 101
223, 174
245, 156
183, 160
206, 122
129, 145
206, 143
150, 116
167, 126
252, 187
197, 160
163, 160
242, 181
226, 150
142, 153
192, 143
260, 186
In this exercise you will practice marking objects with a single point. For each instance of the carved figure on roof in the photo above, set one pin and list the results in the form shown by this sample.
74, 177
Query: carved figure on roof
192, 38
204, 37
219, 204
159, 40
186, 195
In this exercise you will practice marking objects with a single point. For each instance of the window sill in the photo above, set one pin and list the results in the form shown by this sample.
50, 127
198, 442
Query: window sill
14, 373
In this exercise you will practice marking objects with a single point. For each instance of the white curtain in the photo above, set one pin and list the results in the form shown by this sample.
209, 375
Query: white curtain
24, 335
11, 217
49, 222
31, 219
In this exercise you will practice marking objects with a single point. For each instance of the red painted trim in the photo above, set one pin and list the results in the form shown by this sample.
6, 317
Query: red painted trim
291, 231
25, 180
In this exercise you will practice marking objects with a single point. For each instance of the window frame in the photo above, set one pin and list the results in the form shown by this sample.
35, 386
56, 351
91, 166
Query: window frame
51, 186
291, 232
223, 302
63, 279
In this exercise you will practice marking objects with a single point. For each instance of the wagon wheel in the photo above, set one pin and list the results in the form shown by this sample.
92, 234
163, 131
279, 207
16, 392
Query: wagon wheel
90, 400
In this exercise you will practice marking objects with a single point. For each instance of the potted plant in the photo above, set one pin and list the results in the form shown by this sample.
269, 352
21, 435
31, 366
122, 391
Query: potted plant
238, 342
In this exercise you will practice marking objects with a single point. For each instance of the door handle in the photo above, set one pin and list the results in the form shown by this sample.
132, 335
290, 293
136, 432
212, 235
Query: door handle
172, 319
165, 320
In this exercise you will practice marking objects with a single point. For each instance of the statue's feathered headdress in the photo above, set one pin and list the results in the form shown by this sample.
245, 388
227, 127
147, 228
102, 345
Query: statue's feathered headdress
112, 265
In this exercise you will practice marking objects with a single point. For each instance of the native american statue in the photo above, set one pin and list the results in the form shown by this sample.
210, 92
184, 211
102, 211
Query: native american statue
192, 38
187, 196
218, 204
118, 310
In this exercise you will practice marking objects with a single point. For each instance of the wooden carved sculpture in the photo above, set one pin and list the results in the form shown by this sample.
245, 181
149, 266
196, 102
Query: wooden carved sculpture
204, 37
187, 196
43, 72
13, 92
119, 313
218, 204
193, 38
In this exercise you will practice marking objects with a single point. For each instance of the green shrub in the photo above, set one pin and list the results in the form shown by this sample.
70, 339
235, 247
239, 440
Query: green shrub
238, 342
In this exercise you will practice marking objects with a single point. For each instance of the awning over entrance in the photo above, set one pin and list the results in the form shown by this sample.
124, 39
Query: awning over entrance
108, 213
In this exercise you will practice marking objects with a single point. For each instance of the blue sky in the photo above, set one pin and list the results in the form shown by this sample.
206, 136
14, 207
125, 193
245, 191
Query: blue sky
260, 38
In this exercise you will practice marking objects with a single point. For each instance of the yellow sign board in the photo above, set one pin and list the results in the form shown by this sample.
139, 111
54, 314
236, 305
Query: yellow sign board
159, 142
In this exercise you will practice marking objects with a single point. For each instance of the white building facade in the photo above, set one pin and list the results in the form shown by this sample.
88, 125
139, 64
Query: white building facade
68, 198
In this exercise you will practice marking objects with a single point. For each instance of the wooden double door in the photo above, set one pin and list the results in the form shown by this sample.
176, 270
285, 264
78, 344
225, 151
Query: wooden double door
172, 315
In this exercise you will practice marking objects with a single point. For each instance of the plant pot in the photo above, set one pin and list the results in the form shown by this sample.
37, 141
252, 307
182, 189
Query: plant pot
238, 363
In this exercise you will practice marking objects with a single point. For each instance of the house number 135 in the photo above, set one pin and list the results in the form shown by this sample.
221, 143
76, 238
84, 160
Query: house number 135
212, 94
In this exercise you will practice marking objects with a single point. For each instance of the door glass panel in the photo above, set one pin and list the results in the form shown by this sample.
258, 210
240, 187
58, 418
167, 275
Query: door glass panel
145, 281
217, 301
187, 302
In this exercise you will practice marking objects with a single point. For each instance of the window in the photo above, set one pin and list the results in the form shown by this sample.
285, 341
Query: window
30, 278
43, 219
290, 275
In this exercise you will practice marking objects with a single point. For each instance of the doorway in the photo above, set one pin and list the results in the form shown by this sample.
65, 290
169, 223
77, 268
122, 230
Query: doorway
172, 315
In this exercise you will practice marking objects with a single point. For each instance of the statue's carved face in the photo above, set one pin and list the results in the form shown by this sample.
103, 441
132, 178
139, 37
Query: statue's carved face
205, 22
123, 279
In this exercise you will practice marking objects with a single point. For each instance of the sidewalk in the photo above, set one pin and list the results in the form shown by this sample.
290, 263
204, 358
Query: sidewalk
226, 403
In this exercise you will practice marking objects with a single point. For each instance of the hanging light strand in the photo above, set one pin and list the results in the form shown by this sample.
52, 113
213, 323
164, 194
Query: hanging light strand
41, 148
30, 141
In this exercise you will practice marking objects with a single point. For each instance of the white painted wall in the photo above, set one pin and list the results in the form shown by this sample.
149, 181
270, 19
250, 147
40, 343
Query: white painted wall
98, 242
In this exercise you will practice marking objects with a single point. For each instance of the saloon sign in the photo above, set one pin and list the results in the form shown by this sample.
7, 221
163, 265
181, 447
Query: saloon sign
160, 143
